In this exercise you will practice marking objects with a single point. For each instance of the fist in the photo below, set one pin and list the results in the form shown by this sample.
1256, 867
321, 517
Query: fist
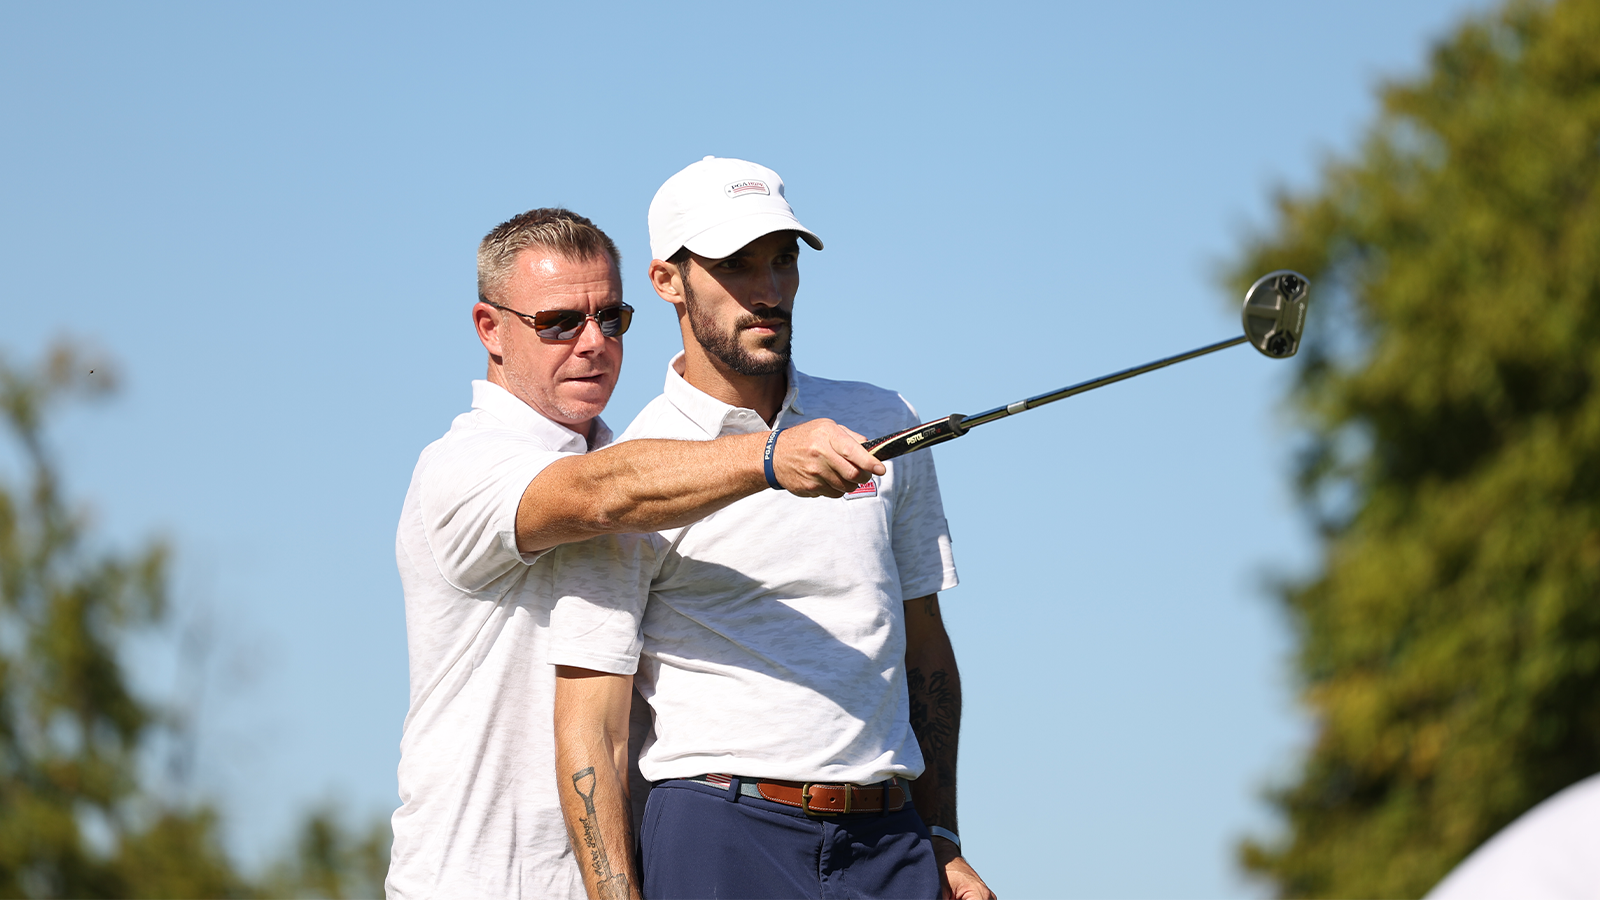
822, 458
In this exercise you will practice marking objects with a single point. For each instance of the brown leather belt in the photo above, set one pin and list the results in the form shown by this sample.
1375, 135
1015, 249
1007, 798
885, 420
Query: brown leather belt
817, 799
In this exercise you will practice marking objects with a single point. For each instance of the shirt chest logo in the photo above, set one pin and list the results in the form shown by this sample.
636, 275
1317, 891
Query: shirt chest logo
870, 489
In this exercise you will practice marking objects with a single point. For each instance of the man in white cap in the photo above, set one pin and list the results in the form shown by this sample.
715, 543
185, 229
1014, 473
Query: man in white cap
511, 480
805, 696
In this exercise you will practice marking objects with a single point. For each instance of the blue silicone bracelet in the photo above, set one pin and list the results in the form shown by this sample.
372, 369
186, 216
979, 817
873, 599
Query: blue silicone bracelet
772, 477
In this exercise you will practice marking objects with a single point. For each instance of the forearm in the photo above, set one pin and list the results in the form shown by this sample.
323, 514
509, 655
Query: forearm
645, 485
650, 485
934, 687
592, 781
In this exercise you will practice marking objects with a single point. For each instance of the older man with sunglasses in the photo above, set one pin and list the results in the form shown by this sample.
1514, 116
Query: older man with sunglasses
490, 518
805, 695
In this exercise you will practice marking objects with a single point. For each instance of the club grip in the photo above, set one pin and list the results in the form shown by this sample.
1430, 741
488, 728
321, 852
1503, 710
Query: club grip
925, 435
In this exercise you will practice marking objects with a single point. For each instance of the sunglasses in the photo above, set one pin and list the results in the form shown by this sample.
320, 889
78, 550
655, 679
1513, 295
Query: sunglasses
566, 324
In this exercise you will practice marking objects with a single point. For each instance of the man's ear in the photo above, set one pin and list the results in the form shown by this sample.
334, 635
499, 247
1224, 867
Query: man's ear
667, 279
487, 323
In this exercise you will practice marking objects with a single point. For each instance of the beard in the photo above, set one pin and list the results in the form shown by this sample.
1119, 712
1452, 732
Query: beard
724, 343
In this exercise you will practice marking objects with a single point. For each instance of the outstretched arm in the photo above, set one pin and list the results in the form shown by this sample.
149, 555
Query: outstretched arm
934, 686
650, 485
591, 731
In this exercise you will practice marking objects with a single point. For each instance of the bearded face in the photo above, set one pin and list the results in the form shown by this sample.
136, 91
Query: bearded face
738, 344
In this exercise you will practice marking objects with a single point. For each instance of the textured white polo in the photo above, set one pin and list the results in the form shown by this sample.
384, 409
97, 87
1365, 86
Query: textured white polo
774, 637
479, 815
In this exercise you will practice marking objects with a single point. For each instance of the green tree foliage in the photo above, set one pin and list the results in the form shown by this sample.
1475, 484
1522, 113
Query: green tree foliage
70, 727
1449, 646
76, 817
331, 860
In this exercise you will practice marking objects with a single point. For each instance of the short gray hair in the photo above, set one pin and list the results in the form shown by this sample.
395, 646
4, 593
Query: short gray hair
549, 228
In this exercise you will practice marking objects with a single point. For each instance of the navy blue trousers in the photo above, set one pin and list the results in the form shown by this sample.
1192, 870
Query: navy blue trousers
700, 841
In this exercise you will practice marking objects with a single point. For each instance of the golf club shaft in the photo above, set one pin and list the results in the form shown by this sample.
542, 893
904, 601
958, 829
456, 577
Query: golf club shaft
953, 426
1012, 409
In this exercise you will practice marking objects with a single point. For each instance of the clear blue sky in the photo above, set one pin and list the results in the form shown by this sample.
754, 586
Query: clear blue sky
266, 214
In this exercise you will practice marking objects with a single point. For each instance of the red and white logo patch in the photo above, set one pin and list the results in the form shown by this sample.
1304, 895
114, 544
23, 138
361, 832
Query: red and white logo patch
746, 187
870, 489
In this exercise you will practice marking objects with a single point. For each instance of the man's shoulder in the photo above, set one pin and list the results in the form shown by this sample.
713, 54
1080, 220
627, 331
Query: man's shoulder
498, 420
860, 401
479, 426
660, 418
477, 440
849, 391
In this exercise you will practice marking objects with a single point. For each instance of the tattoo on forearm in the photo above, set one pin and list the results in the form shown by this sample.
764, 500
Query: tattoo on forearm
608, 884
936, 720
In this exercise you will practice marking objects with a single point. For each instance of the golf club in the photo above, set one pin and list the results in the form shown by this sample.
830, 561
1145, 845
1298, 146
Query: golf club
1274, 316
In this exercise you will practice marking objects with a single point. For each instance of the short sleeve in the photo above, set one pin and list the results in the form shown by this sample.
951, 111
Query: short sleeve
920, 534
469, 496
601, 586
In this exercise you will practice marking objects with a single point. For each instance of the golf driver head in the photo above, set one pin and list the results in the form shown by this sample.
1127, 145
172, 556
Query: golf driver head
1275, 313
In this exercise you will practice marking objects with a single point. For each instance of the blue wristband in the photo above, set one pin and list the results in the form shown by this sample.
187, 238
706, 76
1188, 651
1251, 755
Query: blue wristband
772, 477
945, 833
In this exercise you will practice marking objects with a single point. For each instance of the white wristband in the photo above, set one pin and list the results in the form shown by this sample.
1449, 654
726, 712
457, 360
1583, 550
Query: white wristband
945, 833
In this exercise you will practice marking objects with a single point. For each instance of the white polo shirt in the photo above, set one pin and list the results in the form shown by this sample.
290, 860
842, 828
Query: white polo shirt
774, 637
479, 815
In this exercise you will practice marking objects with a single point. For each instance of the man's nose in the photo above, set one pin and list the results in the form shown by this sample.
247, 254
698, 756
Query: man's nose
590, 339
768, 292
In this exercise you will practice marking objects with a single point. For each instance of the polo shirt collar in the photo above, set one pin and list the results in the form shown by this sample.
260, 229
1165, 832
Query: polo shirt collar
717, 418
519, 416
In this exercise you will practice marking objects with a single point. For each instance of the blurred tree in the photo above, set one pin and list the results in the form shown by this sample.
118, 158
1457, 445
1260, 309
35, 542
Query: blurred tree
1449, 646
76, 819
73, 821
332, 860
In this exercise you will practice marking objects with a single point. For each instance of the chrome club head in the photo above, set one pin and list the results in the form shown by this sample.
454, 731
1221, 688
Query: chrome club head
1275, 313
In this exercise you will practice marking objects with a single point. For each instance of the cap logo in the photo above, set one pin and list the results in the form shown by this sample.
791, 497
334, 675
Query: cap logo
748, 186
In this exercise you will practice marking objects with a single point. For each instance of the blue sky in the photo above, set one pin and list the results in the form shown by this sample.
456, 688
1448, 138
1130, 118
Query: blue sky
266, 215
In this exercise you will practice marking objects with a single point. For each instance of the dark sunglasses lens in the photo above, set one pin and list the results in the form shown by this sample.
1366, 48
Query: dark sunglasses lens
567, 324
614, 320
558, 324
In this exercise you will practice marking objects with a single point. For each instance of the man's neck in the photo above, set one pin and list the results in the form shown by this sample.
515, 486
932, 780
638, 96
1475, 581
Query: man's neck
587, 428
762, 393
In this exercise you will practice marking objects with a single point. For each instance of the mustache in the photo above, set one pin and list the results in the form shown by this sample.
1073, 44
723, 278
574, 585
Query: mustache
774, 314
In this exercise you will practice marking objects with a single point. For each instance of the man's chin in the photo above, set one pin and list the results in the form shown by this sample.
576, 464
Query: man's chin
769, 362
768, 356
580, 403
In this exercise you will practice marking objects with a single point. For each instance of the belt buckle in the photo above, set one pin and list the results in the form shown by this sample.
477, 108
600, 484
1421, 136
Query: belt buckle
805, 801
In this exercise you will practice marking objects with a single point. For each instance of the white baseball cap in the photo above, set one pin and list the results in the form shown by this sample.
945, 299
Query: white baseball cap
716, 206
